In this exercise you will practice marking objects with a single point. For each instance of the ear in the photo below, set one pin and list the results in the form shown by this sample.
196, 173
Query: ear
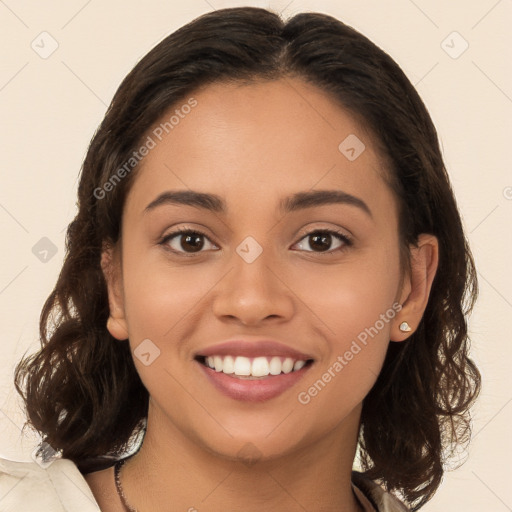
112, 270
424, 258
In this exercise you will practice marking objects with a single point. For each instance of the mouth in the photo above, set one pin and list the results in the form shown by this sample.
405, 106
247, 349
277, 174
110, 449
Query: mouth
253, 367
252, 379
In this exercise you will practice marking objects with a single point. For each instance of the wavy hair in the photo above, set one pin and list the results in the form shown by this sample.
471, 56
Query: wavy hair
81, 389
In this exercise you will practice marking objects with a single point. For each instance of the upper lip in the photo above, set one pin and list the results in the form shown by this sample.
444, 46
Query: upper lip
259, 348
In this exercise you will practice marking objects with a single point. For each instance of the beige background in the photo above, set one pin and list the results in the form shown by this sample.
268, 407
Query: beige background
51, 106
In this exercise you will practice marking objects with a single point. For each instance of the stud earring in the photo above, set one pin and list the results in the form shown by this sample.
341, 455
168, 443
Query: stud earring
405, 327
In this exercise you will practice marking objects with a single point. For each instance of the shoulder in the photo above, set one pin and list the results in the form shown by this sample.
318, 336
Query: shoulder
59, 486
379, 498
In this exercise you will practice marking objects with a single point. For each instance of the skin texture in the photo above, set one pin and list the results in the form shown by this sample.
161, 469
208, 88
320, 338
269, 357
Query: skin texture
252, 145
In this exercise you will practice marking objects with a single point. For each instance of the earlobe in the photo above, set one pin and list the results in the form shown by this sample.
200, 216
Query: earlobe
111, 267
424, 258
117, 328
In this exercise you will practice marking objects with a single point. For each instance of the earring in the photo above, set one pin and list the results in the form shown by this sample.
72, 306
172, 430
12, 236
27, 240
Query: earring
405, 327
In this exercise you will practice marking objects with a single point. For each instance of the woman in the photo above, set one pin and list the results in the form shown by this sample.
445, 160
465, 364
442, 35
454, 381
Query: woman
267, 274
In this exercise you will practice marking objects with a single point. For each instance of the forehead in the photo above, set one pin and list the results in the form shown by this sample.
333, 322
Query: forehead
256, 141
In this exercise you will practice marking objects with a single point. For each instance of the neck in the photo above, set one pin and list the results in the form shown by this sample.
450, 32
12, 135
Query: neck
170, 467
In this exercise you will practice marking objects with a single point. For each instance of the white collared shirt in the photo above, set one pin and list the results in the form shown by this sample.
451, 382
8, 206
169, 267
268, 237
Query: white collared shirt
27, 487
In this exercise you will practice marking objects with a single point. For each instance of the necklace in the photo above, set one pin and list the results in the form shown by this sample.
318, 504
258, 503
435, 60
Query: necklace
119, 488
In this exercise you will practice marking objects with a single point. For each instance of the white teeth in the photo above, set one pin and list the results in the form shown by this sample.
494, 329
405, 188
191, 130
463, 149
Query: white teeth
242, 366
275, 366
218, 363
260, 367
288, 365
228, 365
298, 365
257, 367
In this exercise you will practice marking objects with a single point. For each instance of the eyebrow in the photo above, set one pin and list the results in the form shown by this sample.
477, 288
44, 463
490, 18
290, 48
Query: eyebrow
295, 202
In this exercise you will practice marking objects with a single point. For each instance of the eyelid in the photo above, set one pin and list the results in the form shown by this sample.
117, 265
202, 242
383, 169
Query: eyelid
339, 231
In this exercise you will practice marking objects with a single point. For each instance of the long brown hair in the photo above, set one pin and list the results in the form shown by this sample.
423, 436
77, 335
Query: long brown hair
81, 389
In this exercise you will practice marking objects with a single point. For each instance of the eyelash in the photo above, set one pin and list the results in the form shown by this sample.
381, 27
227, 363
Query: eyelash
347, 242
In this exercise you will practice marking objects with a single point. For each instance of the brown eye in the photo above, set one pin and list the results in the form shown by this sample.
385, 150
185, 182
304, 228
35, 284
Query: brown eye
193, 241
320, 240
186, 241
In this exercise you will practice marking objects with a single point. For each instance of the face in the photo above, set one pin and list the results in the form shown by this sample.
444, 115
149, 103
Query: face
320, 280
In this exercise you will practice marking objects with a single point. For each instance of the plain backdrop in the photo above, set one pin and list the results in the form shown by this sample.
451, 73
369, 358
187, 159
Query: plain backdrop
457, 54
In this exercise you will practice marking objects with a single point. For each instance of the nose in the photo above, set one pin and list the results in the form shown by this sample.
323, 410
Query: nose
252, 292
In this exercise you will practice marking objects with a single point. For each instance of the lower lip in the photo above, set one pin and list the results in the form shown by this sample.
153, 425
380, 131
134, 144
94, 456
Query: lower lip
257, 390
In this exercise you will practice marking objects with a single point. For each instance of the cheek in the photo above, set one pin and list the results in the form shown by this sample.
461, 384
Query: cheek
158, 296
351, 297
356, 307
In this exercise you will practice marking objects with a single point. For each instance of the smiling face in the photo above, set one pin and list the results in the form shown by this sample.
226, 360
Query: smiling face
260, 264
